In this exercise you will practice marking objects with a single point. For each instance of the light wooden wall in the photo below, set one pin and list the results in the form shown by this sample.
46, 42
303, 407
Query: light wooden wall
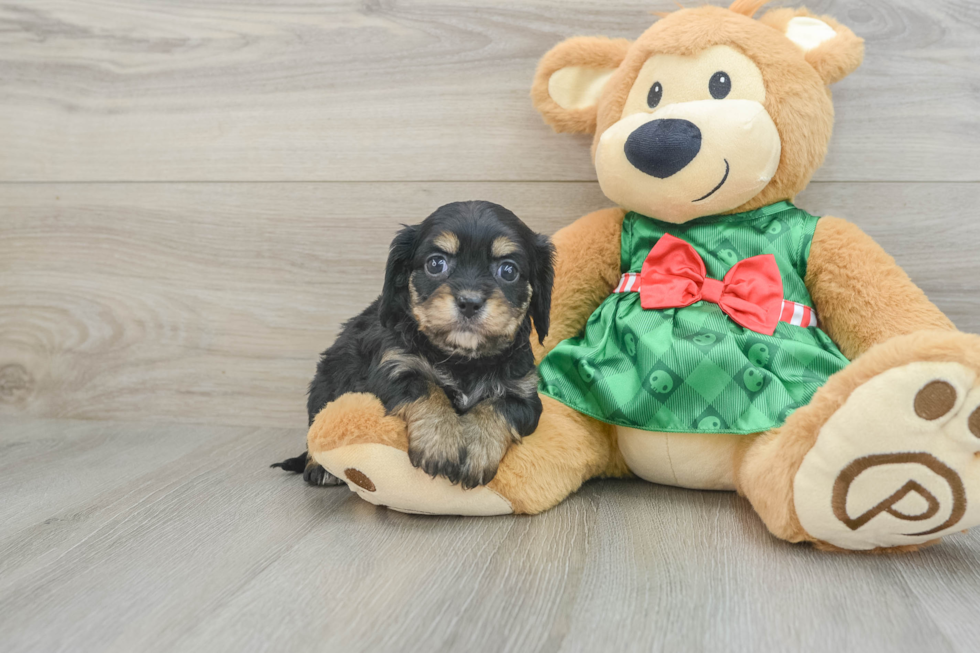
194, 194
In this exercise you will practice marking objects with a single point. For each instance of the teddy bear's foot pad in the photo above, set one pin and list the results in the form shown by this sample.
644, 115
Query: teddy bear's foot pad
898, 464
384, 476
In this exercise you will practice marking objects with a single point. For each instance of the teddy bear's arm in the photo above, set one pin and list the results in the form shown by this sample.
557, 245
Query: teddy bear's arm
861, 295
586, 271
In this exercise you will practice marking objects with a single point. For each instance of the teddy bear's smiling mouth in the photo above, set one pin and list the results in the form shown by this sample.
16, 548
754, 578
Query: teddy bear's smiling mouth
720, 184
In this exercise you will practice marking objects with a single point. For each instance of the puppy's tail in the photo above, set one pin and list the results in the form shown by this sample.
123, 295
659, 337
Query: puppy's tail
297, 464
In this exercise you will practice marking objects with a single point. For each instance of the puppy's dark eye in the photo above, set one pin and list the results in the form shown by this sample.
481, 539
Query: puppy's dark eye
720, 85
655, 94
436, 265
507, 272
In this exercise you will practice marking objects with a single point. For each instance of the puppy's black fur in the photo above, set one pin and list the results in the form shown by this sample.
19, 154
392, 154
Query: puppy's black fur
451, 328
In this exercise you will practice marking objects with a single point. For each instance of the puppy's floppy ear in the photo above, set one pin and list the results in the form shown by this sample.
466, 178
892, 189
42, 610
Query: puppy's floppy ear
542, 277
394, 295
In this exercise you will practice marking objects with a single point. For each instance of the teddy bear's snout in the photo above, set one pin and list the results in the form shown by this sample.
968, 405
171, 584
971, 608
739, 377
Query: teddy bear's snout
664, 147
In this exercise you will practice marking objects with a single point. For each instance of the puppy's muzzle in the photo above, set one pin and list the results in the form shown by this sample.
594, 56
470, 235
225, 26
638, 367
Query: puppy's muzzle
662, 148
469, 304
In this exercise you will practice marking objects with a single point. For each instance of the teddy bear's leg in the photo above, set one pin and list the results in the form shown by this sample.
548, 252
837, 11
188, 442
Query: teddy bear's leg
885, 457
567, 449
355, 440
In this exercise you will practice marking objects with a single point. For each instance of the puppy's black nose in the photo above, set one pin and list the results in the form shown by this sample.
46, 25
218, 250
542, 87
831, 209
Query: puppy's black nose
469, 304
661, 148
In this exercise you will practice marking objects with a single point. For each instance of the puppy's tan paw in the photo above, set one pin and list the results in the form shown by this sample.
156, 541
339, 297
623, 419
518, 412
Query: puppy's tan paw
438, 457
488, 436
435, 436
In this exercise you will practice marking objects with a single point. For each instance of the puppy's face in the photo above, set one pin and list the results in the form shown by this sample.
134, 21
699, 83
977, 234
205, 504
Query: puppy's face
472, 275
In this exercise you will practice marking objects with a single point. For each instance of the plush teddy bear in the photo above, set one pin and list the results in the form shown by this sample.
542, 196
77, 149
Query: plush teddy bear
709, 334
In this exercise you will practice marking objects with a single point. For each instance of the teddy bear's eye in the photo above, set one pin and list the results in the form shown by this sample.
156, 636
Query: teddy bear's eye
720, 85
653, 97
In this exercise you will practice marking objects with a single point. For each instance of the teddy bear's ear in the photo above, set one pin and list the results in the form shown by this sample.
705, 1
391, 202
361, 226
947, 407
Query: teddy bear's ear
570, 80
832, 49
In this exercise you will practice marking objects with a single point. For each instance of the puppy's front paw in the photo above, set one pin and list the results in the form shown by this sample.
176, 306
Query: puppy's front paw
435, 436
438, 457
488, 436
480, 464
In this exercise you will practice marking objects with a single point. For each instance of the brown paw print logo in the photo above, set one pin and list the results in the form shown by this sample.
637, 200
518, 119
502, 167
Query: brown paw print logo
933, 401
843, 485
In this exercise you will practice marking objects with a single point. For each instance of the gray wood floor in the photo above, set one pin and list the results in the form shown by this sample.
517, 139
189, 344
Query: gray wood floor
194, 194
134, 537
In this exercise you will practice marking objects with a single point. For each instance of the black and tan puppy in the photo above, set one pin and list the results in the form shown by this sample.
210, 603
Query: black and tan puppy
447, 344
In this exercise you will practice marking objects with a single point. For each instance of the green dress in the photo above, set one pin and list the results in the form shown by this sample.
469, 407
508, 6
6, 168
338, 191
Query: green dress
693, 369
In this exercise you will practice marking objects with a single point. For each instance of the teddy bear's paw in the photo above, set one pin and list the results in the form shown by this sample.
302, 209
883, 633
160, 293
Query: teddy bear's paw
898, 464
384, 475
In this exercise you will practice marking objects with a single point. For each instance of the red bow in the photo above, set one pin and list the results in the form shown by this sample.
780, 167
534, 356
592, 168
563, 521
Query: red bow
673, 276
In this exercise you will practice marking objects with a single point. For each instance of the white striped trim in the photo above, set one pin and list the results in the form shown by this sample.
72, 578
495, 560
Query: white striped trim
799, 315
632, 280
628, 282
797, 318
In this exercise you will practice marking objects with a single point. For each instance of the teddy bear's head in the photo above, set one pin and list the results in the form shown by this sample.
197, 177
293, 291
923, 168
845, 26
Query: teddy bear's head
710, 111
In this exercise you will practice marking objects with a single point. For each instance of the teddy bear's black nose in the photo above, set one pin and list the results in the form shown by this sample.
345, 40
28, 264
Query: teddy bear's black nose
661, 148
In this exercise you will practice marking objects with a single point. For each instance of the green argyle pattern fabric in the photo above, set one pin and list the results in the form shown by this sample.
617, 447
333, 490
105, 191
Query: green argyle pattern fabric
692, 369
